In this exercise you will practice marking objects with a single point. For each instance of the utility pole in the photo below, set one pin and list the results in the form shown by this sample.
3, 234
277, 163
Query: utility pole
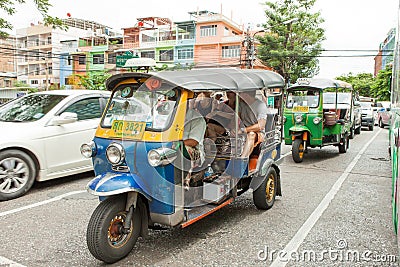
249, 48
47, 73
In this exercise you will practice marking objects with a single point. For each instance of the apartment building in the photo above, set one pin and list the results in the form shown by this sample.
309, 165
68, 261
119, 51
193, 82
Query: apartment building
41, 49
385, 53
8, 73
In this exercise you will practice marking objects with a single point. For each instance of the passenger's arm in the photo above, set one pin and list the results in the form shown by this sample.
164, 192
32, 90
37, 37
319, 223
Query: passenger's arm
190, 142
258, 127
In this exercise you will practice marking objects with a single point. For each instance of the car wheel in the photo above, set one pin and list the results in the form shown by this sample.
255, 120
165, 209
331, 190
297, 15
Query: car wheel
352, 132
381, 123
358, 130
371, 127
264, 195
17, 174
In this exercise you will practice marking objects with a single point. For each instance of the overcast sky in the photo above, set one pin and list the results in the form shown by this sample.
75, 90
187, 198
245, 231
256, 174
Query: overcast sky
349, 24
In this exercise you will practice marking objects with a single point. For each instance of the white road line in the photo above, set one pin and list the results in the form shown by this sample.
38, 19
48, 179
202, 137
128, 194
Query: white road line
305, 229
9, 263
37, 204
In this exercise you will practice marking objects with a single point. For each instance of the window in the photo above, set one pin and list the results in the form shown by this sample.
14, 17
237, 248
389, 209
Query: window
49, 40
98, 59
186, 53
148, 54
210, 30
82, 60
86, 109
50, 70
34, 82
112, 59
167, 55
226, 31
231, 51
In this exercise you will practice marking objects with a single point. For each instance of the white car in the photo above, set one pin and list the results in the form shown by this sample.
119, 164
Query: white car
41, 135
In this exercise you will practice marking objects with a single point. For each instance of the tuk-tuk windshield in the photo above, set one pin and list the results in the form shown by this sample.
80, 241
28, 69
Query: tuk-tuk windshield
304, 98
343, 98
153, 107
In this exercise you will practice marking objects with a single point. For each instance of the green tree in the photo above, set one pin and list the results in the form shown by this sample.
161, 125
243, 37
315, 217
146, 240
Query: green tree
381, 86
94, 80
292, 49
8, 6
362, 83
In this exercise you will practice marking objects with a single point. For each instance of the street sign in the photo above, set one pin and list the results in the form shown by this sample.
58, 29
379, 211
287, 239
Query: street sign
270, 102
121, 59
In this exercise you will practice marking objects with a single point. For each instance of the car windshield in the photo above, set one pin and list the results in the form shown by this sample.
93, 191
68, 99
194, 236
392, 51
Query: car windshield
153, 107
343, 98
366, 105
305, 98
29, 108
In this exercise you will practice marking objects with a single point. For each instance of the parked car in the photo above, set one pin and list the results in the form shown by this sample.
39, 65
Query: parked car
367, 115
383, 113
41, 135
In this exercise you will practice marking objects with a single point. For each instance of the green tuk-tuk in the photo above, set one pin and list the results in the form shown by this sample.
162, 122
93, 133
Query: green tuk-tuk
310, 120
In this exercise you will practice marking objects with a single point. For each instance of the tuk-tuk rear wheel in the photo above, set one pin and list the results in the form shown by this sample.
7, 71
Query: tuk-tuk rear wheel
105, 237
298, 150
264, 195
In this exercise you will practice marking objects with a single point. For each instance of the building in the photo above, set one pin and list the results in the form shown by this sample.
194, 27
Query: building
385, 53
44, 59
218, 40
8, 74
206, 40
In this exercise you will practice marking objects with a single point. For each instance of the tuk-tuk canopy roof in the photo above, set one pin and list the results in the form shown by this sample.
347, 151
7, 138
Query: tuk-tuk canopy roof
209, 79
320, 83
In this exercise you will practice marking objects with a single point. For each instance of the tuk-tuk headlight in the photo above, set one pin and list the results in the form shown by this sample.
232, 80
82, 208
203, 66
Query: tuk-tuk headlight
299, 118
88, 150
115, 153
161, 156
317, 120
284, 119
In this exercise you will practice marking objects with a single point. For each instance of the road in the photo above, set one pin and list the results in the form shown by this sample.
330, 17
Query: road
335, 211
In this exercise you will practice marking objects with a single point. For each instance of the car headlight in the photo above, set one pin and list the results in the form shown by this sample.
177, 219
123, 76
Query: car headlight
88, 150
115, 153
161, 156
317, 120
298, 118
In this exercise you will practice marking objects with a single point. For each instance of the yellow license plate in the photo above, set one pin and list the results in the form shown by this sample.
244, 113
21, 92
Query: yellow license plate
300, 109
128, 129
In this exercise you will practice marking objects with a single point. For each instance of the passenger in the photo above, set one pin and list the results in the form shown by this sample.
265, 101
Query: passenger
221, 119
204, 103
253, 114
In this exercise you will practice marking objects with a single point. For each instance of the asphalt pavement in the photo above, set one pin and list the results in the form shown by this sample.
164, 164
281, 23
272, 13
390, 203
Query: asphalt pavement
335, 211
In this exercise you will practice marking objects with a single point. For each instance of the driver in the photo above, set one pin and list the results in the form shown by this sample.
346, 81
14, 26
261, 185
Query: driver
193, 135
253, 114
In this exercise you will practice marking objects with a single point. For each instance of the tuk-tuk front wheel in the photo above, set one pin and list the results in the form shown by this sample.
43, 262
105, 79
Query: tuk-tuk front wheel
298, 150
106, 238
264, 195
